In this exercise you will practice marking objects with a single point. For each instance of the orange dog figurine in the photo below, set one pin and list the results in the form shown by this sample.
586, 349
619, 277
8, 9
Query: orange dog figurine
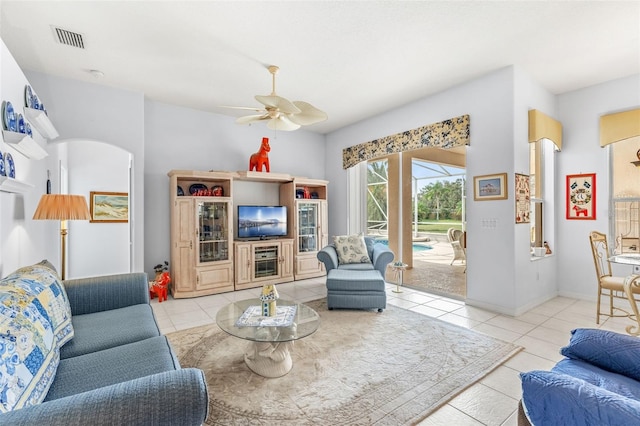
160, 286
260, 158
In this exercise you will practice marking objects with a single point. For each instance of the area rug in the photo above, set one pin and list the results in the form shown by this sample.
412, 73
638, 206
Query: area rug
359, 368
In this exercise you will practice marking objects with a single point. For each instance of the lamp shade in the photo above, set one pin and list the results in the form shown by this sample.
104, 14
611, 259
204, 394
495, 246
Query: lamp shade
62, 207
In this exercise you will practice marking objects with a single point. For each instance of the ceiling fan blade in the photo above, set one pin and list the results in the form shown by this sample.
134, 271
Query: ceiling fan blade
251, 118
243, 108
282, 123
275, 101
308, 114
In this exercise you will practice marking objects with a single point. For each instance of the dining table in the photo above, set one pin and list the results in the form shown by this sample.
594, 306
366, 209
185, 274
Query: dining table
631, 282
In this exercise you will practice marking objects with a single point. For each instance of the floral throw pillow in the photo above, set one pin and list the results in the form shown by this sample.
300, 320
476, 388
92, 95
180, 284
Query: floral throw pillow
35, 320
351, 249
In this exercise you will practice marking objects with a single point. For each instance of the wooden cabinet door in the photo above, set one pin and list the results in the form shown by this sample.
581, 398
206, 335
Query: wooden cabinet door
218, 277
286, 255
243, 263
183, 228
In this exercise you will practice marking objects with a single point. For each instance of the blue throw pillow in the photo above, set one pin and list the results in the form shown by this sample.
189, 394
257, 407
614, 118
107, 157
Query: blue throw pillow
552, 398
611, 351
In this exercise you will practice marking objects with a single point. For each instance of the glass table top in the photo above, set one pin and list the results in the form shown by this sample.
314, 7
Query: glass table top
305, 322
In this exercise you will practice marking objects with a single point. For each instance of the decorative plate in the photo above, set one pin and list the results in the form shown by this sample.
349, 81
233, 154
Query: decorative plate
2, 172
27, 128
9, 116
35, 102
180, 191
197, 187
28, 96
21, 122
11, 168
217, 191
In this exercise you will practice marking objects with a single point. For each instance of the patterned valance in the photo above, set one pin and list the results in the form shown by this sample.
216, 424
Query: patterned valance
446, 134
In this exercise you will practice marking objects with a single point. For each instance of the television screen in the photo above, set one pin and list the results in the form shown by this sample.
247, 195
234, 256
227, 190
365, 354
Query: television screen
262, 221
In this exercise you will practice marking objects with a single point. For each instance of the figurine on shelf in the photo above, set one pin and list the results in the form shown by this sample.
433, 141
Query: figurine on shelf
260, 158
268, 297
306, 193
548, 249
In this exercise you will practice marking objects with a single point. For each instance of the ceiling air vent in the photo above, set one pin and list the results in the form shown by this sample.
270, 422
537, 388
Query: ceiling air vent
68, 37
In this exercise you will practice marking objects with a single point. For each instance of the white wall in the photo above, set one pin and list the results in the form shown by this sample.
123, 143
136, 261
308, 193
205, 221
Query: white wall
186, 139
22, 240
97, 248
88, 111
580, 112
500, 274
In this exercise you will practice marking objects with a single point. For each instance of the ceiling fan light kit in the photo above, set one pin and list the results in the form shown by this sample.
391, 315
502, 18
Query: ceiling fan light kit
282, 114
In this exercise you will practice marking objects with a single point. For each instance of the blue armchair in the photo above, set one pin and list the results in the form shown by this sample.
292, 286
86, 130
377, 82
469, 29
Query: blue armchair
379, 254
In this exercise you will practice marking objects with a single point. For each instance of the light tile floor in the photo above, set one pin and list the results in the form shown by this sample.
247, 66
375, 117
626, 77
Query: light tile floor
491, 401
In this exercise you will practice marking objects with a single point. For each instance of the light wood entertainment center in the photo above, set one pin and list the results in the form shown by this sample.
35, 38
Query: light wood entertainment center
206, 255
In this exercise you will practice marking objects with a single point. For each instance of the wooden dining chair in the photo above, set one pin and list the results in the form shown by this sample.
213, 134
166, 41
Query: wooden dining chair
608, 285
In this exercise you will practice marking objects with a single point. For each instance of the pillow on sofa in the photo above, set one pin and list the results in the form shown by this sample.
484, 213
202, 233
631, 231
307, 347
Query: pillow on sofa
608, 350
34, 322
552, 398
351, 249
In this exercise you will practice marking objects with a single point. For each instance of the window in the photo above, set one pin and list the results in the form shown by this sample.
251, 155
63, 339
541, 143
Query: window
625, 196
377, 187
541, 180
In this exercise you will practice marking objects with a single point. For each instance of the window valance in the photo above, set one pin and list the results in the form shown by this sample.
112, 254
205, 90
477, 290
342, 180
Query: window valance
541, 126
445, 134
619, 126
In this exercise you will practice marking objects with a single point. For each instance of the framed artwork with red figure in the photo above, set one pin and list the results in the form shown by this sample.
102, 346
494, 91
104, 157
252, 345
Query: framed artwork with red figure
581, 197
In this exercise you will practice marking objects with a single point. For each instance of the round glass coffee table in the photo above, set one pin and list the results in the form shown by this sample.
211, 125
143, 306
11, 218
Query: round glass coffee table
269, 352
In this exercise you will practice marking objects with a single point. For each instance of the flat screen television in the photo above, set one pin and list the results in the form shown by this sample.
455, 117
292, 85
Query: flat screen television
259, 222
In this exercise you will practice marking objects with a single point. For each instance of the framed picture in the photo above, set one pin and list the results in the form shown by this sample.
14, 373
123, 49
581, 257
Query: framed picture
490, 187
523, 199
581, 197
108, 207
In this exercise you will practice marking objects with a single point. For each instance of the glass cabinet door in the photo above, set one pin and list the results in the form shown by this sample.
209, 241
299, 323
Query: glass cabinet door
213, 232
308, 227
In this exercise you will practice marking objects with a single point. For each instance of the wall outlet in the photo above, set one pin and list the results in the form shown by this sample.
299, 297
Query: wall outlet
636, 269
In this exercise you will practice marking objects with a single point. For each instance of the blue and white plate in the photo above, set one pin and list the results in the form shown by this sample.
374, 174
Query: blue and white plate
2, 172
11, 168
27, 128
28, 96
21, 124
35, 102
9, 117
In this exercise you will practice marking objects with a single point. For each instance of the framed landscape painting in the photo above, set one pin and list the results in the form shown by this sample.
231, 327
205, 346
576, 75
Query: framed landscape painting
490, 187
109, 207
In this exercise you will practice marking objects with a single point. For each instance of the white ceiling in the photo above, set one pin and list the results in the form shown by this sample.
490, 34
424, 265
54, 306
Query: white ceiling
352, 59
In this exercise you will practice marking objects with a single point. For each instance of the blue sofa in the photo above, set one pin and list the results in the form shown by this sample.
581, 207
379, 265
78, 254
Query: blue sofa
597, 383
117, 368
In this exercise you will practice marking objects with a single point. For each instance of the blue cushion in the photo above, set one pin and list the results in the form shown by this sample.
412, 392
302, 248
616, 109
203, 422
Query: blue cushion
104, 330
119, 365
611, 351
613, 382
551, 398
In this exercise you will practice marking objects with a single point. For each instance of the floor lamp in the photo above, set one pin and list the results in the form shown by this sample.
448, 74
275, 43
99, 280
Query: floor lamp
62, 207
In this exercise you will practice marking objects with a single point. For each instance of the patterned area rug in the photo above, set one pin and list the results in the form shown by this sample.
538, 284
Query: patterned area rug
360, 367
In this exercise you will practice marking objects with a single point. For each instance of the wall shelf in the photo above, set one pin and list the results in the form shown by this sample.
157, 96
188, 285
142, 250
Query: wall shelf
24, 144
40, 120
13, 185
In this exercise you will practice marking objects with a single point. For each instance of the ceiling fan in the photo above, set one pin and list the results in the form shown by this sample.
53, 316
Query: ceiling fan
280, 113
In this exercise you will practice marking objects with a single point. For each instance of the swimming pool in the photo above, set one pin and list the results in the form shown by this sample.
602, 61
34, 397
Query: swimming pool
416, 246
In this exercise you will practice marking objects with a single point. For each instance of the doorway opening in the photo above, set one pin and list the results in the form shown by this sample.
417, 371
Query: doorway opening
433, 189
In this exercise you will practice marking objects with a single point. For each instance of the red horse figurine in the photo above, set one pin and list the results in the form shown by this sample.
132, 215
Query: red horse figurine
160, 286
260, 158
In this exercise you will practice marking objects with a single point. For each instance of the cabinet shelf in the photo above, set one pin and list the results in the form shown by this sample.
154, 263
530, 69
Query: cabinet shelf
14, 186
40, 120
24, 144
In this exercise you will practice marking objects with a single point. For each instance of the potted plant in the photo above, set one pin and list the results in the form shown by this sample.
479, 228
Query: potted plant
160, 268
